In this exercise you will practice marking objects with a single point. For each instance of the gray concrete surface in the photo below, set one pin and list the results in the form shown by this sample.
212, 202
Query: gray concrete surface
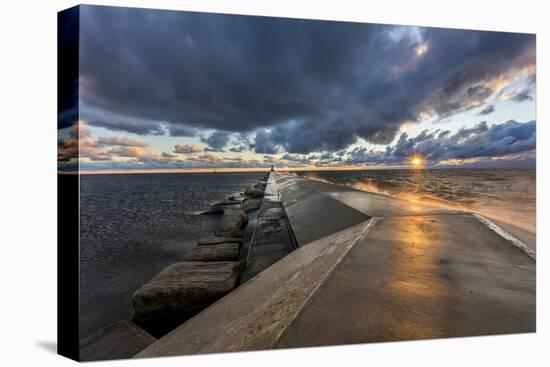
311, 214
120, 340
405, 274
418, 278
272, 239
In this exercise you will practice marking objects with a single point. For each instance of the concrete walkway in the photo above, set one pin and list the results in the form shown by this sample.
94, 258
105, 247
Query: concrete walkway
369, 268
417, 278
272, 239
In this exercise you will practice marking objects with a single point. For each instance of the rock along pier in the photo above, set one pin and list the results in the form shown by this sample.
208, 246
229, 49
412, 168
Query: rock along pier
331, 265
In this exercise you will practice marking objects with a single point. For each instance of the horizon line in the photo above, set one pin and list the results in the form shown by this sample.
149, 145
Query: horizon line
267, 169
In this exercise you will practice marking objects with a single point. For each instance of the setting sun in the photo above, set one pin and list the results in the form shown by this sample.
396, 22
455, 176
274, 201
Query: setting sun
417, 161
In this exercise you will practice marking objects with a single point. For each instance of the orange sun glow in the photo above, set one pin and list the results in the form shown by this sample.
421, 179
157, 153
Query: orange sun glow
417, 161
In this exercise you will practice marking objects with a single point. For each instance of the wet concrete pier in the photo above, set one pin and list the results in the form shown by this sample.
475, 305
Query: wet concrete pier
368, 268
273, 238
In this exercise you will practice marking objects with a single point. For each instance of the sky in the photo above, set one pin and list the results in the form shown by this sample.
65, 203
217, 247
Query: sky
172, 90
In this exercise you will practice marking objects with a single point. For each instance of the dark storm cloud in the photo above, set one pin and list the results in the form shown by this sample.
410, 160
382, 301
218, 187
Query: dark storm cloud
487, 110
135, 128
297, 85
117, 122
216, 141
180, 131
479, 141
264, 144
67, 76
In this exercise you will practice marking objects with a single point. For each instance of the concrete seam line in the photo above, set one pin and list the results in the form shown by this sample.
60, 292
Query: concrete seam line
506, 235
293, 239
371, 222
254, 233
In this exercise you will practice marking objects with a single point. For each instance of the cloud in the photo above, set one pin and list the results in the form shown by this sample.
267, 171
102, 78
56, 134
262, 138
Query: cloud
117, 122
264, 144
216, 141
126, 151
519, 95
80, 145
524, 95
270, 159
211, 160
238, 149
296, 158
80, 149
181, 131
480, 141
68, 67
306, 137
297, 86
487, 110
78, 140
187, 148
122, 141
